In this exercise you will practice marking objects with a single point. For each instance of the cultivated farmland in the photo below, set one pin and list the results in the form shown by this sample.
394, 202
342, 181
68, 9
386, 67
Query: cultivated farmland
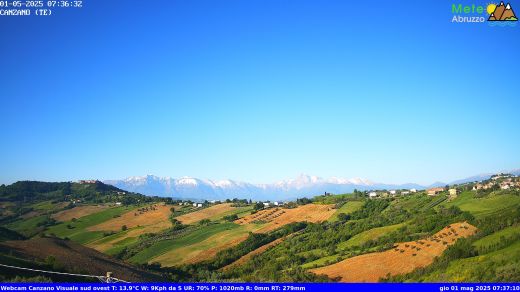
153, 216
278, 217
213, 212
78, 212
205, 249
402, 259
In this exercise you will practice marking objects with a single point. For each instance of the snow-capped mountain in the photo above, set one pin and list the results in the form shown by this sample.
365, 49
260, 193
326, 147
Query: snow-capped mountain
303, 185
194, 188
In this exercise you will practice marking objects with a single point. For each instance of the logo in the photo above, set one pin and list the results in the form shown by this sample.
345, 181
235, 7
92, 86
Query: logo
501, 12
492, 13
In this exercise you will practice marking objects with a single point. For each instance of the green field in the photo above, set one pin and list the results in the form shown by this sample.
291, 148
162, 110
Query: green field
28, 227
483, 207
347, 208
374, 233
195, 251
499, 266
192, 238
497, 237
322, 261
78, 231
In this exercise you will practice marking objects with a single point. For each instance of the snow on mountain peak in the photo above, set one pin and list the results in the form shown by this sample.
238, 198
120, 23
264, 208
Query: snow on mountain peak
185, 180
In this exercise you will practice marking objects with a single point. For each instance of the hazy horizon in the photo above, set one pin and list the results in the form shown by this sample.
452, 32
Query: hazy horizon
402, 182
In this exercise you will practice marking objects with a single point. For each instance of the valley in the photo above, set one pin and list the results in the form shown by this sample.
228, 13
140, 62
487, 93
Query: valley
466, 232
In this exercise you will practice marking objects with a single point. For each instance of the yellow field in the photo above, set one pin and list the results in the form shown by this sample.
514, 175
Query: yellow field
403, 258
153, 215
278, 217
206, 213
149, 219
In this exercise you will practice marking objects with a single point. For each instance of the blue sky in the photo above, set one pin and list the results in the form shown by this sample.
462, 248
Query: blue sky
258, 90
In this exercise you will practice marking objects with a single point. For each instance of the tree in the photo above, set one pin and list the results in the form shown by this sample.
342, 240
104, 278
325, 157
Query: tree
231, 218
204, 222
343, 217
258, 206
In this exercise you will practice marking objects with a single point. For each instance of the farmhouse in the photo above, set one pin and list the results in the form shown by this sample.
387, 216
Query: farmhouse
434, 191
372, 194
453, 192
413, 190
392, 192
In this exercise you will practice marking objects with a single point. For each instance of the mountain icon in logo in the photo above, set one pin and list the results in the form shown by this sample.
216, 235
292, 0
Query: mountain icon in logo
501, 12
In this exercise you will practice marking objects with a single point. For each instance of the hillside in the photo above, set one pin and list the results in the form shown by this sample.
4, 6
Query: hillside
68, 256
459, 235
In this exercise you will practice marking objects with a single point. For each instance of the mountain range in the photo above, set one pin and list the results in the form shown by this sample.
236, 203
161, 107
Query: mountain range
303, 185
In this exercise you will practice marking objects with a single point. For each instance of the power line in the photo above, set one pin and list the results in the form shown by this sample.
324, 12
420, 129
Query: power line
106, 279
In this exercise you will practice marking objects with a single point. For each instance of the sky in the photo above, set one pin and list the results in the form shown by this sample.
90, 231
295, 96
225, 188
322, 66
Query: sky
258, 91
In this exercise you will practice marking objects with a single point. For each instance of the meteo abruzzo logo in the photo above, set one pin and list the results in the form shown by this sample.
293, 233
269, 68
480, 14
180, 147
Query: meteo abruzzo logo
492, 13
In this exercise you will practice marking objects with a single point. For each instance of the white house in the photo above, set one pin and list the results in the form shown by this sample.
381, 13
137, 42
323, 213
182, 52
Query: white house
413, 191
199, 205
372, 194
392, 192
194, 204
118, 204
276, 204
405, 192
266, 204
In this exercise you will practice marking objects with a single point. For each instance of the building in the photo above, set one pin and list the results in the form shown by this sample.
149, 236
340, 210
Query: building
266, 204
405, 193
453, 192
88, 181
393, 192
199, 205
413, 191
434, 191
372, 195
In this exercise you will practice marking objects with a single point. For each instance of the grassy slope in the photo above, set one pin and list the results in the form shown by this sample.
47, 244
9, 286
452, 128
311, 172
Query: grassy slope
79, 233
483, 207
27, 227
239, 211
371, 234
497, 237
166, 245
481, 268
347, 208
179, 254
